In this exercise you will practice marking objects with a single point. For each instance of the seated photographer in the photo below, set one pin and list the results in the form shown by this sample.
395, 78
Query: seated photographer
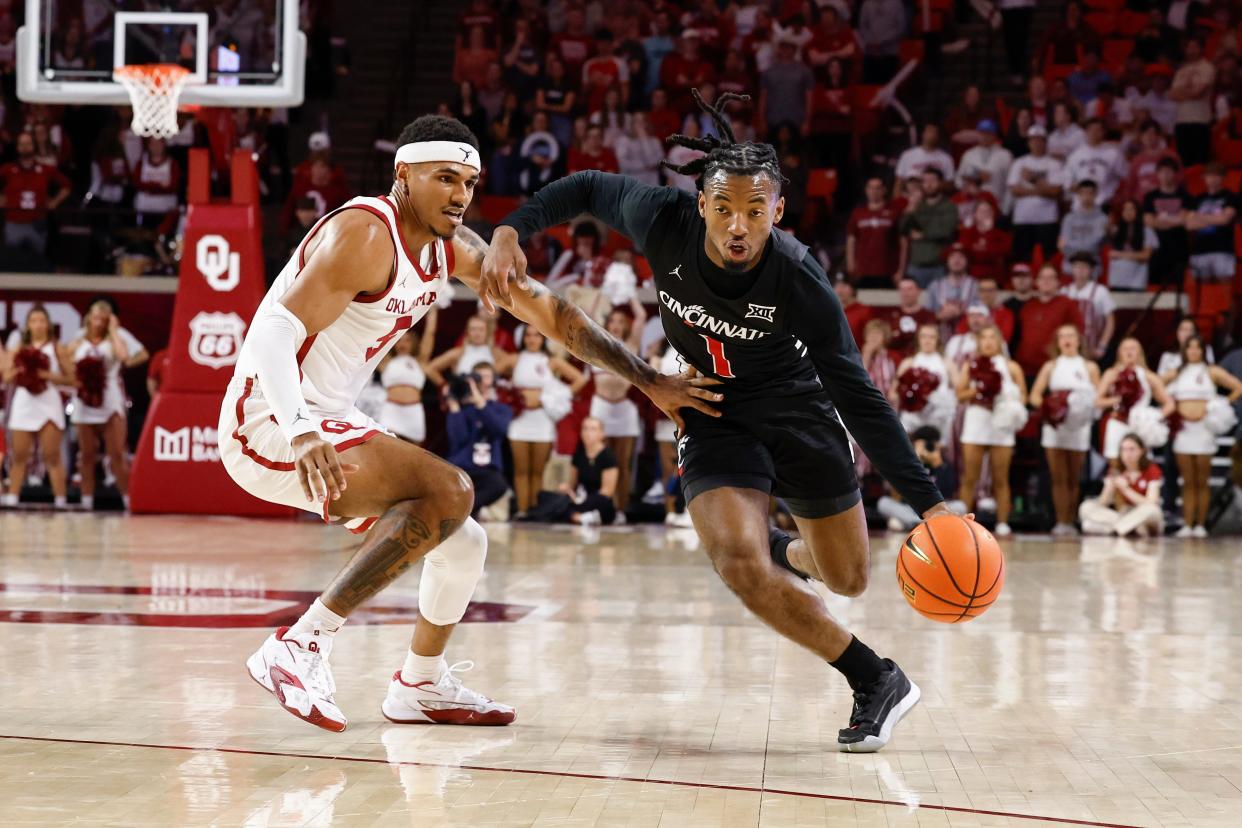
476, 426
901, 516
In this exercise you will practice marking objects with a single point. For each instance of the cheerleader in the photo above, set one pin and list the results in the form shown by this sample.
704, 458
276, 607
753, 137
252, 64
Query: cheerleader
1130, 501
1203, 414
98, 355
477, 346
1126, 391
532, 433
993, 390
1064, 391
1172, 360
37, 413
401, 374
612, 406
665, 359
926, 369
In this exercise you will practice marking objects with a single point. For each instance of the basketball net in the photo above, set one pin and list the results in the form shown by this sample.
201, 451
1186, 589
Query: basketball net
153, 92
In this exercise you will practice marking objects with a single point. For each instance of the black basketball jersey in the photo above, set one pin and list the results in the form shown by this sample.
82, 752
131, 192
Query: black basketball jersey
743, 338
782, 335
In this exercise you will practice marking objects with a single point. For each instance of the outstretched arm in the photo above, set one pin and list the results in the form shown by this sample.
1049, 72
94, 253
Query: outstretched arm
562, 321
628, 206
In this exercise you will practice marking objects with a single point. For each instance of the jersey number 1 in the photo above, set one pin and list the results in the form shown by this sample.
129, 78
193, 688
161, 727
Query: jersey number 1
403, 323
720, 362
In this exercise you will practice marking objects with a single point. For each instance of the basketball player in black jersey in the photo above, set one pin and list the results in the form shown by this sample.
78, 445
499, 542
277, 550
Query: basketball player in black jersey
753, 309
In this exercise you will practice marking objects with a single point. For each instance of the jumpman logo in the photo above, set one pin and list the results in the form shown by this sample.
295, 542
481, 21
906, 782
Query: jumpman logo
465, 154
676, 272
401, 284
300, 416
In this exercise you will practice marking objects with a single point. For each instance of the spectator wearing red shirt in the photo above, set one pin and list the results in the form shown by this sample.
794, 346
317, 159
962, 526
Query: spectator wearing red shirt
26, 198
320, 187
480, 14
319, 146
833, 40
604, 71
987, 246
909, 315
573, 46
968, 197
856, 313
684, 70
1152, 150
1040, 317
593, 155
875, 250
471, 61
989, 297
663, 120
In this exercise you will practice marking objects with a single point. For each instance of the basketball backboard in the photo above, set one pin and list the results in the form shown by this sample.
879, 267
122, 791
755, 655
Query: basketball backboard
239, 52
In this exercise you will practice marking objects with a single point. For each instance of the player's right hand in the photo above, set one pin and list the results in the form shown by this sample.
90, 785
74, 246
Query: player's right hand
504, 259
320, 470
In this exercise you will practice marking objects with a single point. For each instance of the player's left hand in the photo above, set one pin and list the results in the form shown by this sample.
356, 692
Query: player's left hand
671, 393
504, 258
942, 508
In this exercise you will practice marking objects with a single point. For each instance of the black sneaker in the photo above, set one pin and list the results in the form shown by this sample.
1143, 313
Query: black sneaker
778, 545
877, 709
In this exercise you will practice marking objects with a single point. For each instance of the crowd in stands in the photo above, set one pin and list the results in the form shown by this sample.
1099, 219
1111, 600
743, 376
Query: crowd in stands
1009, 235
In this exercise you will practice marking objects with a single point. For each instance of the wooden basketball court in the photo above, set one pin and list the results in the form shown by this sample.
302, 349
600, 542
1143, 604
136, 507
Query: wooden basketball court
1102, 689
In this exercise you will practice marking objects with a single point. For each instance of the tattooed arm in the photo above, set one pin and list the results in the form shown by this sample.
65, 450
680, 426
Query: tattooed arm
562, 321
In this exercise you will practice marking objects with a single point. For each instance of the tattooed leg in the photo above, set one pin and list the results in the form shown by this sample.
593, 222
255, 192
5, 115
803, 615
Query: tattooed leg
398, 540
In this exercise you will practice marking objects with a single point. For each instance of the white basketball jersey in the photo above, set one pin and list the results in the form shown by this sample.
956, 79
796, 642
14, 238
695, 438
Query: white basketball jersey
338, 361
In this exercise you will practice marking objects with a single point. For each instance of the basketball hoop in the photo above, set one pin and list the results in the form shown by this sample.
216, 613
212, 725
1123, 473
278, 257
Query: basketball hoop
153, 92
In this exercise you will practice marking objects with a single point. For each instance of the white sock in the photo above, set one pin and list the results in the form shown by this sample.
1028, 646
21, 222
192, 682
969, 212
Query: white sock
88, 502
321, 621
422, 668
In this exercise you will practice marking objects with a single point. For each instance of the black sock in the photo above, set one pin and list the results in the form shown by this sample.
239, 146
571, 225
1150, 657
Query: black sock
778, 543
859, 664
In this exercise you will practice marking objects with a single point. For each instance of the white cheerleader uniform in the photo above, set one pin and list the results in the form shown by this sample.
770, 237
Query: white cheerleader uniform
472, 355
409, 420
114, 391
1194, 382
1118, 428
978, 428
31, 412
1069, 373
620, 419
941, 403
532, 372
670, 365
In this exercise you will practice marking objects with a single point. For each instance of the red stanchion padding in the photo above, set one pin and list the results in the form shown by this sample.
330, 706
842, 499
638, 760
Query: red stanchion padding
177, 467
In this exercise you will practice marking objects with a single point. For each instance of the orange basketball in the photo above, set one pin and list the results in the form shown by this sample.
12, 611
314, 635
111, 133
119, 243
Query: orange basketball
950, 569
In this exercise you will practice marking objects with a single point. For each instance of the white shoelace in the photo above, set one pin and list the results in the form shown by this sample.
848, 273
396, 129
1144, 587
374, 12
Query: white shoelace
318, 674
461, 693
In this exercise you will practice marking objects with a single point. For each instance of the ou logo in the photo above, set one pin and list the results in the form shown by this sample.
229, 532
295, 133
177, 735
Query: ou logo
219, 266
337, 426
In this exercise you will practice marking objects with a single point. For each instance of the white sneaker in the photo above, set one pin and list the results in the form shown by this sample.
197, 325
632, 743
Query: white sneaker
1002, 530
446, 701
1064, 530
987, 504
1199, 532
895, 525
590, 518
670, 519
619, 520
1187, 531
8, 501
292, 669
682, 520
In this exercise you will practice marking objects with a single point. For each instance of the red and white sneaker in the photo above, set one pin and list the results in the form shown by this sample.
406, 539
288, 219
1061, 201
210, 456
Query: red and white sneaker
442, 702
292, 669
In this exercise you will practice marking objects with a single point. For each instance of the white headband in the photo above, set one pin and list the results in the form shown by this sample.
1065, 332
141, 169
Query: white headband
421, 152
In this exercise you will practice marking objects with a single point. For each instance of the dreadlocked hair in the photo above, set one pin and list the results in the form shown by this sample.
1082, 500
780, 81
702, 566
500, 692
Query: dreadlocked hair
724, 153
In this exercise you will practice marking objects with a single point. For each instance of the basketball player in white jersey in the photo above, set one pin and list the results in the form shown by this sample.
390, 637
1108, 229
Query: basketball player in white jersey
290, 431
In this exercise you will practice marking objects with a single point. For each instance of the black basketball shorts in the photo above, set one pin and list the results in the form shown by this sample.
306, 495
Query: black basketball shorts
793, 447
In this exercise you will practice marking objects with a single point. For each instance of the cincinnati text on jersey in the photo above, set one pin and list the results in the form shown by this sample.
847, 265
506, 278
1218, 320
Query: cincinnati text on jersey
696, 316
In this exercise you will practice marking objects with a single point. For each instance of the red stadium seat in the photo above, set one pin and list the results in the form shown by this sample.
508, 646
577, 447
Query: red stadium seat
1116, 51
821, 183
1105, 5
1233, 180
910, 50
1103, 23
1131, 23
494, 207
1192, 179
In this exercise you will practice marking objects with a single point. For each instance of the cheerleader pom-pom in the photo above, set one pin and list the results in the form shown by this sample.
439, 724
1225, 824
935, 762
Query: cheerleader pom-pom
1080, 411
1149, 424
1054, 408
1129, 389
92, 374
1009, 414
1221, 418
914, 388
986, 380
30, 362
